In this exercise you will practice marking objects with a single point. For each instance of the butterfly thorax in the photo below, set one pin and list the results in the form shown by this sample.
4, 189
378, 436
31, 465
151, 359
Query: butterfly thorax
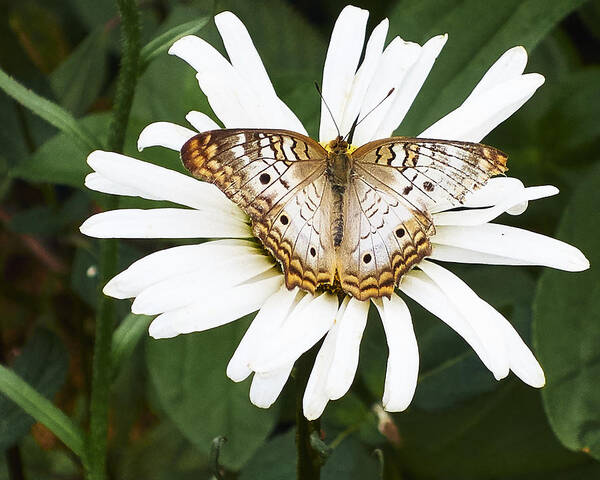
339, 170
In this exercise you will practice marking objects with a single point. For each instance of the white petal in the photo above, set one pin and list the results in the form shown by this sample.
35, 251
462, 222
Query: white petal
163, 223
447, 253
351, 326
411, 85
175, 261
424, 291
396, 61
181, 290
484, 215
266, 388
480, 315
99, 183
364, 75
269, 318
343, 54
154, 182
201, 122
481, 113
522, 361
219, 309
164, 134
246, 61
517, 246
403, 359
493, 192
228, 95
511, 64
315, 395
242, 53
304, 327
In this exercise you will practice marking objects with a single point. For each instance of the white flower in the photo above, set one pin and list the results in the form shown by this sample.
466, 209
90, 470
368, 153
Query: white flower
196, 287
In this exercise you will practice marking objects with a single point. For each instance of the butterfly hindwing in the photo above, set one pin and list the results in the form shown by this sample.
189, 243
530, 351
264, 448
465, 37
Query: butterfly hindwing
276, 177
383, 239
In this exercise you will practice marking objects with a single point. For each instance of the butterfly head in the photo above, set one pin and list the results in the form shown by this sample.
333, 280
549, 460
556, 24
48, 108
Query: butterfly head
339, 146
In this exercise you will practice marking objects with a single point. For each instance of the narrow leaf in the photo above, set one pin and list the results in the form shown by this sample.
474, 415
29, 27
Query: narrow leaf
42, 409
49, 111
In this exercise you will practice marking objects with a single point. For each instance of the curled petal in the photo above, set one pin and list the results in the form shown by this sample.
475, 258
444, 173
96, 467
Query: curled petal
484, 215
201, 122
164, 134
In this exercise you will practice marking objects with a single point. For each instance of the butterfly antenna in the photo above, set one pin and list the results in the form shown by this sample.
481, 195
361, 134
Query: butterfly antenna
357, 122
328, 109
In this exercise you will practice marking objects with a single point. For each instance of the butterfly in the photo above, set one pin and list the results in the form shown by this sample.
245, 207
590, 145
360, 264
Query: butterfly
336, 216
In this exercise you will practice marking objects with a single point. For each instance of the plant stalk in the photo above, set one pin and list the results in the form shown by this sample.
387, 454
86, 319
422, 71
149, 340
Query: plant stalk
308, 462
105, 317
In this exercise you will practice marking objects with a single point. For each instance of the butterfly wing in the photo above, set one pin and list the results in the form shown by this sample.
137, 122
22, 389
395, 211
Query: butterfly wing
429, 174
396, 184
383, 239
277, 178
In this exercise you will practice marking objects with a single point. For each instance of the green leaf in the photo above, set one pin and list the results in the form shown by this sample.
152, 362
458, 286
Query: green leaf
161, 44
38, 373
61, 160
495, 435
567, 328
126, 337
188, 373
79, 79
49, 111
476, 40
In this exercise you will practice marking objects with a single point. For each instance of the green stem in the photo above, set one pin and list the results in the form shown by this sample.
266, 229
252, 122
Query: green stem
308, 463
105, 318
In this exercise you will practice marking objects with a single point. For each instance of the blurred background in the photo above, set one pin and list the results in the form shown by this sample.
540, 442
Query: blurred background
171, 398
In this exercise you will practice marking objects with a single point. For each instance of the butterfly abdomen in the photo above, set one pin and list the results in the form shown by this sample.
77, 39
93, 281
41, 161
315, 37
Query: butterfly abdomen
337, 214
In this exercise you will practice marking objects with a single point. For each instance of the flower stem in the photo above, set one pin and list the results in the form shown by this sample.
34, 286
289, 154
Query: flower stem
308, 463
105, 317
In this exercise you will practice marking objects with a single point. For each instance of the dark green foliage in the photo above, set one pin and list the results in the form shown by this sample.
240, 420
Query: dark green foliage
170, 399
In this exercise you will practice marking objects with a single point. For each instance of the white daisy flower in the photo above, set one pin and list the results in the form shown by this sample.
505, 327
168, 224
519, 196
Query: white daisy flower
197, 287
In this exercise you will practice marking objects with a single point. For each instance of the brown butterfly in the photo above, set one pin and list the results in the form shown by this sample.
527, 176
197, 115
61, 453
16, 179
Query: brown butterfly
335, 215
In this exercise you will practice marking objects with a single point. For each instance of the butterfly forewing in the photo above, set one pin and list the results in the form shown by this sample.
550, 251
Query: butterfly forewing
429, 174
277, 178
